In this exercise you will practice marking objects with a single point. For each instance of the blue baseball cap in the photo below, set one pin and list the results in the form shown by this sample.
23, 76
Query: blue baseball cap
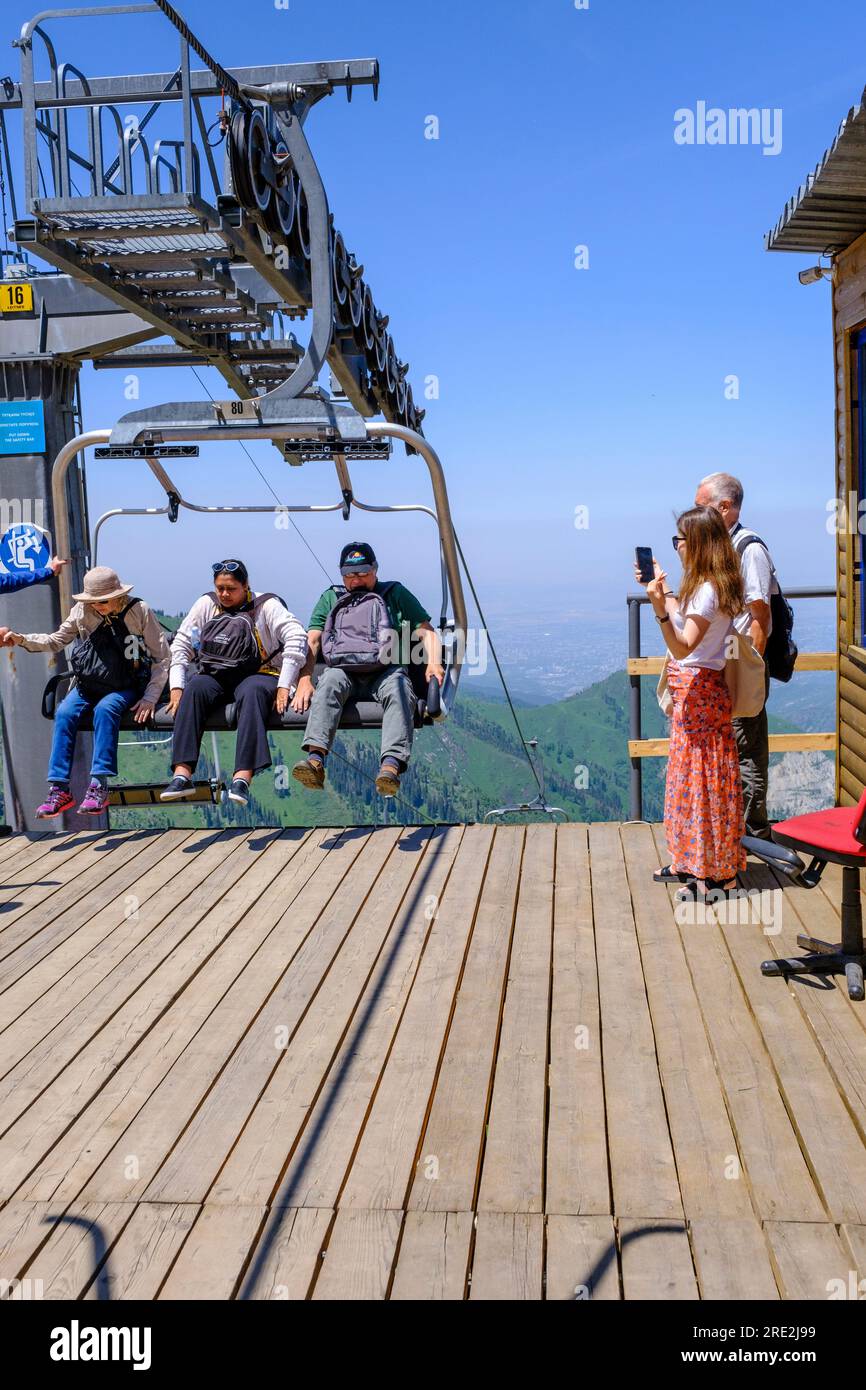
357, 555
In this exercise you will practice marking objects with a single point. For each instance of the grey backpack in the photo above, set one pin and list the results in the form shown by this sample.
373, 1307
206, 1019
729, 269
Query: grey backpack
358, 635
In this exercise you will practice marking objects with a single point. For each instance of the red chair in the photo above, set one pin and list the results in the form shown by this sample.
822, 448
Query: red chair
837, 836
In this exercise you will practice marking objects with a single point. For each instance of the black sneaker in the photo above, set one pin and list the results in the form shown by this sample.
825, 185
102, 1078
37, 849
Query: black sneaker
178, 789
239, 791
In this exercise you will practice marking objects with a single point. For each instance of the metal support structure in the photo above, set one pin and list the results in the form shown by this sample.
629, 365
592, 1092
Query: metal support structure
635, 803
25, 483
178, 260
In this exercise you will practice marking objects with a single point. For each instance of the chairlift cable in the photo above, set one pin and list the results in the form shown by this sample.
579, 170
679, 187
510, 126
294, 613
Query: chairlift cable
523, 741
271, 490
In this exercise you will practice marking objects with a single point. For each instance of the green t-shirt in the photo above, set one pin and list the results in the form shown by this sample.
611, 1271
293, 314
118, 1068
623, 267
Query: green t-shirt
402, 605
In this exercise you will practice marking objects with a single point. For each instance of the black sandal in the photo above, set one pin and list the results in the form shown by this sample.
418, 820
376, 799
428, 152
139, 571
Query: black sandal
715, 892
671, 875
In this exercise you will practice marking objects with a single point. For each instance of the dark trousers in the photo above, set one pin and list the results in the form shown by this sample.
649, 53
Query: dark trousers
753, 746
254, 696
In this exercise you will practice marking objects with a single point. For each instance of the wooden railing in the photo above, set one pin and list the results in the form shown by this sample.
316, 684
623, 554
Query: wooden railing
639, 666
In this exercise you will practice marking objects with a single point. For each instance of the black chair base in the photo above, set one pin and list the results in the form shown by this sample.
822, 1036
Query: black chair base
823, 958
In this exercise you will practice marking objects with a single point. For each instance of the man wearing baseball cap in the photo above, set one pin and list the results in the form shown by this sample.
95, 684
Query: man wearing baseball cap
390, 685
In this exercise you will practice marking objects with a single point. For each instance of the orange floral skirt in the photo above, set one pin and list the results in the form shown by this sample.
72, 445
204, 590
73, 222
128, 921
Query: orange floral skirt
703, 792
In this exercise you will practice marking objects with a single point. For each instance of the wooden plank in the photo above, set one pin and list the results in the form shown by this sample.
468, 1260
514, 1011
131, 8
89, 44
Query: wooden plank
773, 1163
214, 1254
384, 1161
508, 1261
288, 1254
36, 930
513, 1165
643, 1173
806, 661
77, 1248
854, 1240
56, 982
433, 1261
272, 971
704, 1146
779, 743
834, 1149
360, 1253
577, 1167
807, 1257
732, 1260
74, 874
454, 1134
24, 1227
66, 1132
190, 1170
39, 1052
31, 857
317, 1110
582, 1259
656, 1261
144, 1252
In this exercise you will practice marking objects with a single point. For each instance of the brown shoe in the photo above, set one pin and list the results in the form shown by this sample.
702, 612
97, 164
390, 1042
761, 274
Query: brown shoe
388, 781
310, 772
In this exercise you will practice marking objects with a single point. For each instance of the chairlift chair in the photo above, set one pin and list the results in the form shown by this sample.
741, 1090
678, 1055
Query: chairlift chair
432, 704
834, 836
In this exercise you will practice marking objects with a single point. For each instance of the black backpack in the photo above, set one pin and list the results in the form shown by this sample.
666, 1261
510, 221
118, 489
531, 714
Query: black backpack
358, 635
228, 642
781, 650
110, 658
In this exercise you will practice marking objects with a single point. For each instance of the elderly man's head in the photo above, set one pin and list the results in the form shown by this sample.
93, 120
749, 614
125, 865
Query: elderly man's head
724, 492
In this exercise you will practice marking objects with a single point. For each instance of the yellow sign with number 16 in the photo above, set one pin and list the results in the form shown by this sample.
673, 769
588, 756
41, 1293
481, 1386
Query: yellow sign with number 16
15, 297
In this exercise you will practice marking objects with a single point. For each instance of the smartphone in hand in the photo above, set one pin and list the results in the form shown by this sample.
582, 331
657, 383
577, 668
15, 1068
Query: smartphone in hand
643, 557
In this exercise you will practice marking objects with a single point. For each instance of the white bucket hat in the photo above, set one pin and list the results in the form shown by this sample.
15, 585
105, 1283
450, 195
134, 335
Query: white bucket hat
101, 584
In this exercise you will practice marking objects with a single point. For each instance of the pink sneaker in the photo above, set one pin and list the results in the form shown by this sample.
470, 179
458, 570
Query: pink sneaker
95, 800
56, 802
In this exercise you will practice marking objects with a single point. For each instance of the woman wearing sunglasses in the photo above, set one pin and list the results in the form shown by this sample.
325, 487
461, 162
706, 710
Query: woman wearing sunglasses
246, 647
703, 794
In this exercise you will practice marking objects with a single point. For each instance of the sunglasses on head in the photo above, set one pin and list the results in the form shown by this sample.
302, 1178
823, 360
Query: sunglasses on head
227, 566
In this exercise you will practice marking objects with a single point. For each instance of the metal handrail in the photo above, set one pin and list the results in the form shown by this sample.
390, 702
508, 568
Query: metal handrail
635, 603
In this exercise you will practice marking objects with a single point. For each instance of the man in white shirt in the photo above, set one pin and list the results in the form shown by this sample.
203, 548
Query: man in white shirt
725, 493
248, 649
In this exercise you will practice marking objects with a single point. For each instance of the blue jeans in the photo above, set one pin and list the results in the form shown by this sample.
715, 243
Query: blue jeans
106, 722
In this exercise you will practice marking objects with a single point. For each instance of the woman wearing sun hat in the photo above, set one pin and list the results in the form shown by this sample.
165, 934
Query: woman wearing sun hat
120, 660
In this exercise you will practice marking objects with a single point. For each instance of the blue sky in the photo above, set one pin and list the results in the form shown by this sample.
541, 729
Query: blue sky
559, 387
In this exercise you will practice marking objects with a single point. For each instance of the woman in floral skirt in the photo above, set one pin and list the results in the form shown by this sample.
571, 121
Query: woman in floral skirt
703, 794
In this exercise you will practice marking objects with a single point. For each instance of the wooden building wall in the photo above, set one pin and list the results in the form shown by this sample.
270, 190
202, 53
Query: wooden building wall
849, 314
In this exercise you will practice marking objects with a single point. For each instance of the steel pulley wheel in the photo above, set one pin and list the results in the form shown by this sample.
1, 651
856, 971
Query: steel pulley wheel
368, 319
409, 407
258, 151
302, 221
356, 301
381, 345
391, 365
238, 159
280, 217
400, 395
340, 263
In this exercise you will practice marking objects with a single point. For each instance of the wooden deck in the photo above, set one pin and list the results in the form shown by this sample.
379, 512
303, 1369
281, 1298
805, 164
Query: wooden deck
414, 1064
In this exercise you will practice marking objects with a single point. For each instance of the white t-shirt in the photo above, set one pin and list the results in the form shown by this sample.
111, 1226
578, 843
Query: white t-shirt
759, 580
710, 651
